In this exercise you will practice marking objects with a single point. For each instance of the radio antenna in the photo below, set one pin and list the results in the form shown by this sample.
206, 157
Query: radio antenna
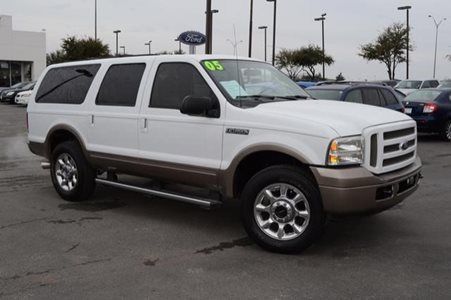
235, 53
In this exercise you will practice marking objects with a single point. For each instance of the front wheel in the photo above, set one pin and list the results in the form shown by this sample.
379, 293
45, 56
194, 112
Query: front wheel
281, 209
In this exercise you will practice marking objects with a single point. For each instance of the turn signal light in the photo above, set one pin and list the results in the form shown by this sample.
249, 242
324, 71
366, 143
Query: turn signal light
429, 108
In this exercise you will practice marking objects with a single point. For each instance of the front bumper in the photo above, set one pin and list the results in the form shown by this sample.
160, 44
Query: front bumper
357, 190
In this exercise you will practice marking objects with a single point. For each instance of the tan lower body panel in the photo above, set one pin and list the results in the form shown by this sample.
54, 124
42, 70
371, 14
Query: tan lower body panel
185, 174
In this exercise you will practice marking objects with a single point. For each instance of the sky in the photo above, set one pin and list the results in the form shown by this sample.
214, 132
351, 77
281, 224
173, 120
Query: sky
349, 24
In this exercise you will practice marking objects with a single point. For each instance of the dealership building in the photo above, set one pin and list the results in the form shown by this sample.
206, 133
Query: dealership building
22, 53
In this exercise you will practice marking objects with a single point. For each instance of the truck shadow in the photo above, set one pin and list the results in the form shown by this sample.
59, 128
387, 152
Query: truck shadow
343, 237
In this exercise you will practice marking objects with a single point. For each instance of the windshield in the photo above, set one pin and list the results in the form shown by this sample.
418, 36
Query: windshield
29, 86
325, 94
445, 84
18, 85
409, 84
423, 96
250, 82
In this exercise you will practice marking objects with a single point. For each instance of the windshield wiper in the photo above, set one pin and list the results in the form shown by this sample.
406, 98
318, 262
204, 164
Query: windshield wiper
256, 97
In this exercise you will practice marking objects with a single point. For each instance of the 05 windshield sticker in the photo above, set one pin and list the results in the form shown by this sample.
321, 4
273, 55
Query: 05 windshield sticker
213, 65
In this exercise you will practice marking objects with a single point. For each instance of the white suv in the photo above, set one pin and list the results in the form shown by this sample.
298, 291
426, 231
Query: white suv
238, 128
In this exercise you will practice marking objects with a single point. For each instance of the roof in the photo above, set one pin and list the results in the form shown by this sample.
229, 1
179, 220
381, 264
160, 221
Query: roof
150, 58
341, 87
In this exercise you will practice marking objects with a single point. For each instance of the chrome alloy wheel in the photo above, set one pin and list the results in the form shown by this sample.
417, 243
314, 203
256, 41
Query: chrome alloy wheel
66, 172
448, 131
281, 211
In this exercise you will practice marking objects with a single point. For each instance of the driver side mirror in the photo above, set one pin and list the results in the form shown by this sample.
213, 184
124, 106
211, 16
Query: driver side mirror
200, 106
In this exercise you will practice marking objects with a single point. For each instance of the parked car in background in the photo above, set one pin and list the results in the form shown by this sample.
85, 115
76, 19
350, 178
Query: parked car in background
10, 94
431, 109
5, 91
408, 86
391, 83
372, 94
306, 84
445, 84
23, 97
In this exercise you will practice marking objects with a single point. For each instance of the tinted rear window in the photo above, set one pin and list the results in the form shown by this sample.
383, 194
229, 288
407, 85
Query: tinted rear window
68, 85
390, 98
120, 85
423, 96
325, 94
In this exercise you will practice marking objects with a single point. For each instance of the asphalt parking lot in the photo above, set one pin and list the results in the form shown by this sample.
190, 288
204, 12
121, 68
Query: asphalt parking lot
126, 245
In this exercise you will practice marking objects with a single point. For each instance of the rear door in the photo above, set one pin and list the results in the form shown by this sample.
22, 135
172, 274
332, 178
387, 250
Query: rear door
115, 109
390, 100
371, 96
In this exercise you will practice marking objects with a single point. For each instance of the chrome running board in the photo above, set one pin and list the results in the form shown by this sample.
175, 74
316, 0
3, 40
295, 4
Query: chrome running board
45, 165
208, 203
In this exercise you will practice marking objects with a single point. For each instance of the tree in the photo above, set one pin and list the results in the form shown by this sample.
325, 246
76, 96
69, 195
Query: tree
340, 77
389, 48
179, 51
55, 57
312, 56
290, 61
303, 59
73, 48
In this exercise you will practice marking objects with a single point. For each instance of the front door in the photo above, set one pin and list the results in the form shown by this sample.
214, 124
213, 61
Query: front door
177, 146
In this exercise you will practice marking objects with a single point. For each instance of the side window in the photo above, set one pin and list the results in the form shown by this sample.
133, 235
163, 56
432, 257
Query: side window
174, 81
371, 97
426, 84
354, 96
434, 83
120, 85
390, 99
66, 85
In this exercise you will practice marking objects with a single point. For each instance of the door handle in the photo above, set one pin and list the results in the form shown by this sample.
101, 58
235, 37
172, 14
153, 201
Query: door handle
92, 119
144, 124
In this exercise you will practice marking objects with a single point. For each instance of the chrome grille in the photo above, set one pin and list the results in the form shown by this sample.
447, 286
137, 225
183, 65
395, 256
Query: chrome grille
390, 147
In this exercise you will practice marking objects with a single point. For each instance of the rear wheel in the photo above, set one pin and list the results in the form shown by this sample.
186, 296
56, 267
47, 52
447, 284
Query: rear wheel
72, 176
446, 132
281, 209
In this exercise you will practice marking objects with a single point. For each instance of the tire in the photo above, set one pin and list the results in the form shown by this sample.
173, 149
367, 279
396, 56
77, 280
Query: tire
302, 223
72, 176
446, 132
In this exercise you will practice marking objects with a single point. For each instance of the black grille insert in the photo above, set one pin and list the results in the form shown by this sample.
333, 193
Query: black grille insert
373, 152
398, 133
398, 159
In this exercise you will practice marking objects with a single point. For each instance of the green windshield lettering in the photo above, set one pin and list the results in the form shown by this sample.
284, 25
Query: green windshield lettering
213, 65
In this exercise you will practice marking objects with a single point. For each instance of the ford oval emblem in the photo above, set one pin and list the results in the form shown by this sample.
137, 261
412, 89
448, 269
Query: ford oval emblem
193, 38
404, 146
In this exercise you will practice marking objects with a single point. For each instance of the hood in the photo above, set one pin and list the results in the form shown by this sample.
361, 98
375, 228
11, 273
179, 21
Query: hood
342, 117
407, 91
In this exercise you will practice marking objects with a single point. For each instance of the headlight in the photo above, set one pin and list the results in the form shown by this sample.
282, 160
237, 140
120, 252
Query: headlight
346, 151
10, 93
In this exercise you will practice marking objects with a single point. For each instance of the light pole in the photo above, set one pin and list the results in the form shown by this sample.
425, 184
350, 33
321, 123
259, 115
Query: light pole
322, 19
407, 9
234, 45
180, 45
265, 28
209, 27
437, 25
274, 31
95, 20
123, 48
149, 44
250, 27
117, 40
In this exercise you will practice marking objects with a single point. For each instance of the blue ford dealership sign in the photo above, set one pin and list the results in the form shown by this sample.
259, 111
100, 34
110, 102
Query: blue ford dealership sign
192, 38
